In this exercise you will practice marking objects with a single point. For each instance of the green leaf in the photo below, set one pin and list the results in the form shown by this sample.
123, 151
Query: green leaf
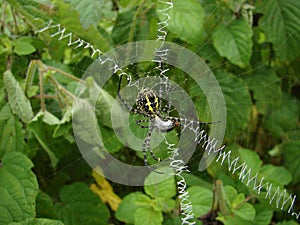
38, 222
187, 17
263, 215
230, 194
12, 135
86, 127
246, 212
121, 30
164, 189
129, 205
44, 206
49, 118
165, 205
18, 102
276, 174
235, 5
73, 24
81, 206
110, 140
201, 199
24, 48
266, 89
291, 222
251, 159
291, 155
283, 119
238, 199
147, 216
18, 188
30, 10
234, 220
281, 25
238, 102
234, 41
64, 125
42, 133
91, 11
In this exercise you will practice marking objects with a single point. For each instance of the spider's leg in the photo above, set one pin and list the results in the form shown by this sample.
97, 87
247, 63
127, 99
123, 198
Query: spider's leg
212, 122
139, 122
180, 121
120, 97
146, 145
123, 101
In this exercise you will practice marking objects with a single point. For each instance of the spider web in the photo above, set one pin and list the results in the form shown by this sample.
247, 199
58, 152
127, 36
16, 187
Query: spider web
150, 69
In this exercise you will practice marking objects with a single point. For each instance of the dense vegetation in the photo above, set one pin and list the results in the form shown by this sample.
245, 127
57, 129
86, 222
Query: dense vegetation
252, 47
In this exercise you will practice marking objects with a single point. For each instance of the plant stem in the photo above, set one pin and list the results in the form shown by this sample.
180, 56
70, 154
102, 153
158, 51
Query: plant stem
2, 22
133, 25
64, 73
61, 88
42, 94
221, 197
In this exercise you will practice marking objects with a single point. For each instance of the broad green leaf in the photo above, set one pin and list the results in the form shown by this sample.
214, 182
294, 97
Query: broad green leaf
234, 41
246, 212
251, 158
85, 125
276, 174
165, 205
235, 5
12, 135
38, 222
238, 200
23, 46
18, 102
81, 206
73, 24
291, 155
129, 206
18, 188
43, 133
129, 28
201, 199
64, 125
44, 206
31, 10
186, 19
164, 189
266, 89
234, 220
291, 222
230, 194
283, 119
281, 25
121, 30
91, 12
263, 215
238, 102
102, 100
49, 118
147, 216
110, 140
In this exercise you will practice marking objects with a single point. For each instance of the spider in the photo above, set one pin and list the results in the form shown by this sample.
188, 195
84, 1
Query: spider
147, 104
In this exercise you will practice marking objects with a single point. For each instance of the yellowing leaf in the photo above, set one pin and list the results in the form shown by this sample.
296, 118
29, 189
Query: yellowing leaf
105, 191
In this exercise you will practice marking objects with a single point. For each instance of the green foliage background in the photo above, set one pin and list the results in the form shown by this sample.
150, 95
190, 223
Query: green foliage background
251, 46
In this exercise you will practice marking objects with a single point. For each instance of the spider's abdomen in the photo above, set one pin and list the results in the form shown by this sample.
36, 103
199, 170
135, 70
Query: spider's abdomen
147, 101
